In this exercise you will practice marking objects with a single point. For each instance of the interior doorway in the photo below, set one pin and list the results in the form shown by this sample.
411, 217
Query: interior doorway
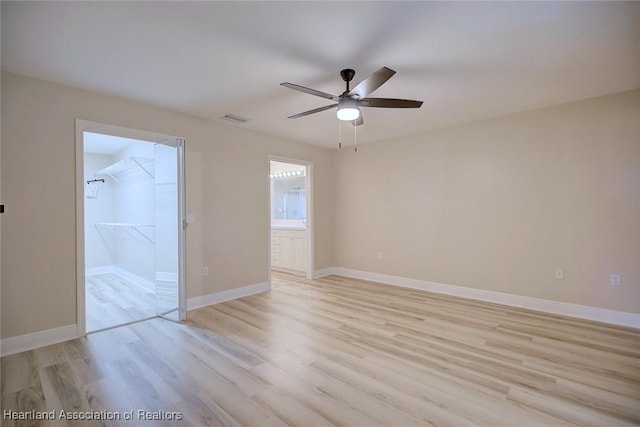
291, 219
130, 226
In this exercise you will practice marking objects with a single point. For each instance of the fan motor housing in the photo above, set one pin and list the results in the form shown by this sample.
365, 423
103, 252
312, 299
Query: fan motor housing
347, 74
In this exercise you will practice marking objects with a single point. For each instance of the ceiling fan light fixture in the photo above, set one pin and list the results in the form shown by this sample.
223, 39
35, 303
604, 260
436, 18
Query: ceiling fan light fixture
350, 101
348, 110
348, 113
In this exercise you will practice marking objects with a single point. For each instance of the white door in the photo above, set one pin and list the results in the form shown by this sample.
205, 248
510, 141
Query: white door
169, 230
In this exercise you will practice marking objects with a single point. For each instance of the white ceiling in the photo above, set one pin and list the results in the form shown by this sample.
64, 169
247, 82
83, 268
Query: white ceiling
98, 143
466, 61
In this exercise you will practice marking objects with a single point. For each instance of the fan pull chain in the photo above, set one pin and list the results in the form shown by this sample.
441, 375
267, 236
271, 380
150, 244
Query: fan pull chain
355, 136
339, 133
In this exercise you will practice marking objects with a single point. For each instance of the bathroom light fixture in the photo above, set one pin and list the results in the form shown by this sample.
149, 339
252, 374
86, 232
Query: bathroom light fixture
288, 174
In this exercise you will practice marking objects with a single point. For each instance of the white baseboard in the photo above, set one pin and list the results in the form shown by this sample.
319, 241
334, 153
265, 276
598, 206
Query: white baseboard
134, 278
13, 345
163, 276
555, 307
94, 271
324, 272
218, 297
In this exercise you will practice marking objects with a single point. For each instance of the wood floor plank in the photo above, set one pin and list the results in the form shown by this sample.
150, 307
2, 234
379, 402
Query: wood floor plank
336, 351
203, 414
63, 393
24, 401
574, 413
112, 300
23, 371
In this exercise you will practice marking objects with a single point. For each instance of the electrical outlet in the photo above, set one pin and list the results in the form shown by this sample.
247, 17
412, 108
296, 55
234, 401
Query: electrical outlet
614, 280
380, 255
191, 218
205, 271
559, 274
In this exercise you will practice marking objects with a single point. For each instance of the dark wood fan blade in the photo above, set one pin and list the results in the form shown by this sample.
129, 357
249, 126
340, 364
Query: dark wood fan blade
310, 91
371, 83
389, 103
315, 110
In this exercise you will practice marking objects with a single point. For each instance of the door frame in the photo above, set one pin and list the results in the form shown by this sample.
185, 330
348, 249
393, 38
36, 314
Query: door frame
107, 129
310, 217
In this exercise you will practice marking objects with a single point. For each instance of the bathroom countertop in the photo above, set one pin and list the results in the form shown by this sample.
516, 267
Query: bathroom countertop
289, 228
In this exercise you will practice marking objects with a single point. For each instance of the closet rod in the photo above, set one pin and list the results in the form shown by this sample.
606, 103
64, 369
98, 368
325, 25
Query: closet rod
95, 180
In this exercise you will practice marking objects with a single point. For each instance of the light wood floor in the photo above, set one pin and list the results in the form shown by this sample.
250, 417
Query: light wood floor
113, 300
338, 351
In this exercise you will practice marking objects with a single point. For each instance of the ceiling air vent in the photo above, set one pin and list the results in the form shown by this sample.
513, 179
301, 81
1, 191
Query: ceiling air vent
235, 119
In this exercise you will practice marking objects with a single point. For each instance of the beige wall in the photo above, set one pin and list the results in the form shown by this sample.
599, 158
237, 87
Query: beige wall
499, 204
227, 190
494, 205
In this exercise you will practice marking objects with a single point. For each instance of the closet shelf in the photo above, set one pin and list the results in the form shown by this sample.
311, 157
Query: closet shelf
132, 230
121, 225
126, 165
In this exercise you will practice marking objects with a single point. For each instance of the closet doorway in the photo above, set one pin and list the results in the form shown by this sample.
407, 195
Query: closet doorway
130, 226
291, 219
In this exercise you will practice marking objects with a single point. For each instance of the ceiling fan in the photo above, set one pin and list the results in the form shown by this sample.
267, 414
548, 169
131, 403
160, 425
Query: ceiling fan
350, 101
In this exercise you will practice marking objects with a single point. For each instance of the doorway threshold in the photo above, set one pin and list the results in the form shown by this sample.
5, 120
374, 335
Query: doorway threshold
108, 328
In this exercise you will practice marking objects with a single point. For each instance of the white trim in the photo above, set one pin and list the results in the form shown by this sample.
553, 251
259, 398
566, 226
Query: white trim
181, 278
228, 295
310, 222
135, 279
555, 307
81, 313
310, 217
94, 271
13, 345
107, 129
323, 272
143, 283
165, 276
